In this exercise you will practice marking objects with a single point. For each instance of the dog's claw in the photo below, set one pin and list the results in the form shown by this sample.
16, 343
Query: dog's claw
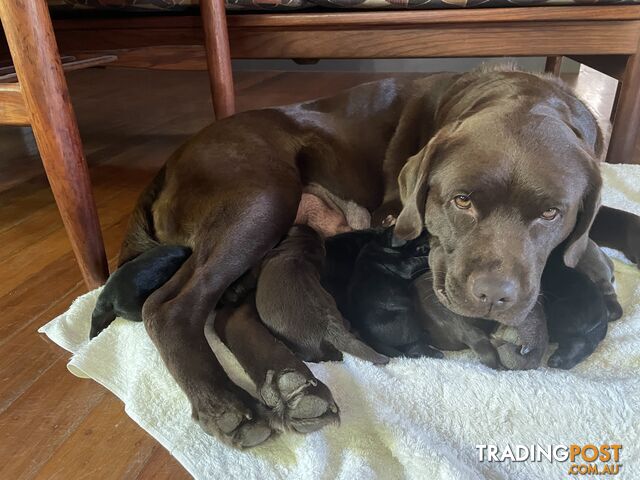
525, 349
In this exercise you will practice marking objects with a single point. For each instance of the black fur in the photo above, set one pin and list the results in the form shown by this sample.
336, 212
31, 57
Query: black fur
381, 302
576, 312
128, 287
386, 294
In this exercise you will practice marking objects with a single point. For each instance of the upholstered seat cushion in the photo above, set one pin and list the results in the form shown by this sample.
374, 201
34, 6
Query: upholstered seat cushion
181, 5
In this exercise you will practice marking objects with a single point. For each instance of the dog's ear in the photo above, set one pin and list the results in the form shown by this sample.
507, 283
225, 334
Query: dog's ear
413, 185
413, 193
578, 239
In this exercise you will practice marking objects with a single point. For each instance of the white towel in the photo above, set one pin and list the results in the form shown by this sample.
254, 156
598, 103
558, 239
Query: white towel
417, 418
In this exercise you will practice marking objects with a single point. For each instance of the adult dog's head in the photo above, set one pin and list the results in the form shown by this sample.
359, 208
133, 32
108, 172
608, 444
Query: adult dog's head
510, 175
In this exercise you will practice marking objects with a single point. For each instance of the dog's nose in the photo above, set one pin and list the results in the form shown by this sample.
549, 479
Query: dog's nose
493, 289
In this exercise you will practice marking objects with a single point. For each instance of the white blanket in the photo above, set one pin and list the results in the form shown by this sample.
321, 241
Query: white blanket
417, 419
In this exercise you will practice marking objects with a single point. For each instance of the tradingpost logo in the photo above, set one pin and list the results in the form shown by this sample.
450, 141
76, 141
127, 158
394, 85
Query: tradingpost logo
587, 459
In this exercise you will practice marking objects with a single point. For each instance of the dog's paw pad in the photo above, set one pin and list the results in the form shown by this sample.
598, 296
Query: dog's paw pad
614, 309
560, 362
229, 421
298, 402
251, 434
309, 406
292, 383
232, 422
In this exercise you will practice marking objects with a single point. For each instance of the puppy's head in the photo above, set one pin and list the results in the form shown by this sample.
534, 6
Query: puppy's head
507, 179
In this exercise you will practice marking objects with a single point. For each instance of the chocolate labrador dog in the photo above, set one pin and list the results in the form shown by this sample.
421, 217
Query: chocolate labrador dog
502, 166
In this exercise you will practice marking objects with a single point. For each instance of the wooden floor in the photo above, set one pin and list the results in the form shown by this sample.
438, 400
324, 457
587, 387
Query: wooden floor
52, 424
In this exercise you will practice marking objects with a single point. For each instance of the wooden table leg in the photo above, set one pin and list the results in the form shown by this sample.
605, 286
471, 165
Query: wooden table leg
616, 98
214, 20
553, 65
29, 33
623, 147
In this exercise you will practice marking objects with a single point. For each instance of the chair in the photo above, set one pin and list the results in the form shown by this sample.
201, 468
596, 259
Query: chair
40, 98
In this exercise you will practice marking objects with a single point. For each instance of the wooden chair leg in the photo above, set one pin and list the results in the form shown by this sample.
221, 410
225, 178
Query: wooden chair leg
616, 99
29, 33
214, 20
553, 65
623, 147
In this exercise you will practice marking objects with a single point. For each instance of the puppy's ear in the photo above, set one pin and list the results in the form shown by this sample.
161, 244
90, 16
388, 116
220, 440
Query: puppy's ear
578, 239
413, 193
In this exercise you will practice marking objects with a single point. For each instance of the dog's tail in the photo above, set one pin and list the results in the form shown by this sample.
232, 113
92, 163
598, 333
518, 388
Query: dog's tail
341, 338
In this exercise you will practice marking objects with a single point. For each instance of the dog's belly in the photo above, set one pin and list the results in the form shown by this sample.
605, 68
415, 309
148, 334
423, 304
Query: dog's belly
330, 216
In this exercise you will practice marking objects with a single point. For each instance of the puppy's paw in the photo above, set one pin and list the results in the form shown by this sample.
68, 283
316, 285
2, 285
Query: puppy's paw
419, 349
614, 309
561, 361
570, 353
517, 357
229, 419
298, 402
490, 358
632, 249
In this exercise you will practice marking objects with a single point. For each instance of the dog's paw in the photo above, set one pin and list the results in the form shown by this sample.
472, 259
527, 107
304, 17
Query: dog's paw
298, 402
632, 248
517, 357
487, 353
562, 362
614, 309
228, 419
421, 349
571, 353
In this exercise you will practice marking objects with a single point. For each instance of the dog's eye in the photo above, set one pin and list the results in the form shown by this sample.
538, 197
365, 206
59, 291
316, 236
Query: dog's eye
462, 201
550, 213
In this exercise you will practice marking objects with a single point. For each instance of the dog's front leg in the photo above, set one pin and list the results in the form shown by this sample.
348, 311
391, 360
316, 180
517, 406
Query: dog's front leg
176, 313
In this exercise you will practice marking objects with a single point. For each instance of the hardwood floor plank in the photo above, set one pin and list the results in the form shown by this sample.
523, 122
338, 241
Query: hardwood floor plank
27, 355
42, 419
162, 466
105, 429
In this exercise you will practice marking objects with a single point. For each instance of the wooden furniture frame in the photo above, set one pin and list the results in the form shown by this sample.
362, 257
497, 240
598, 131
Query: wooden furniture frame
607, 37
608, 34
40, 98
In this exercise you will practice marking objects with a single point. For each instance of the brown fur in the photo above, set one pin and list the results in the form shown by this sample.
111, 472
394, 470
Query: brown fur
231, 193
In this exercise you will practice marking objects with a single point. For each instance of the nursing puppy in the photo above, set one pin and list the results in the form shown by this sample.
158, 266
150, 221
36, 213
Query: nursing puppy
393, 307
293, 305
576, 312
384, 285
381, 295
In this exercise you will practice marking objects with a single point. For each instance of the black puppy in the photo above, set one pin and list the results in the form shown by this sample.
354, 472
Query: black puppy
392, 305
576, 311
381, 302
128, 287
